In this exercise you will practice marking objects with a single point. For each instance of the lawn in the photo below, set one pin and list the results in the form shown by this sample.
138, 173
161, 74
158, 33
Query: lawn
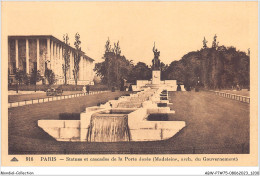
213, 125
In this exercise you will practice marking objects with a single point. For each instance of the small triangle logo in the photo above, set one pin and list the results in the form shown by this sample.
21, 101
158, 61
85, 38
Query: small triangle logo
14, 159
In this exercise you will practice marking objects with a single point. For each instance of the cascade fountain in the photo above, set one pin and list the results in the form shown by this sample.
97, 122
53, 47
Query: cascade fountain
142, 116
130, 118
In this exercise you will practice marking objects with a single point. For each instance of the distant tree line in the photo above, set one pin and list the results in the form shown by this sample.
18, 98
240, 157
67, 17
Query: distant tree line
214, 67
217, 67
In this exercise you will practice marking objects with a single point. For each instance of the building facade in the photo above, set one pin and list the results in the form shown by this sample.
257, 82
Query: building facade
45, 51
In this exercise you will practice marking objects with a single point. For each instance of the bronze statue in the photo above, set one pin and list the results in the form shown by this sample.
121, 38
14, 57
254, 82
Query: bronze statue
156, 60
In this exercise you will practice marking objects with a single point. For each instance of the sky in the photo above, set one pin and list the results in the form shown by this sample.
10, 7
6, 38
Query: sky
176, 27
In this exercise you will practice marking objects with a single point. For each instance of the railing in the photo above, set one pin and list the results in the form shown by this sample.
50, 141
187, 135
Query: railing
48, 99
240, 98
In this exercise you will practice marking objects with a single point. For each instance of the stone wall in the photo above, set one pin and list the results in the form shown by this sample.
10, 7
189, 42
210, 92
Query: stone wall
62, 130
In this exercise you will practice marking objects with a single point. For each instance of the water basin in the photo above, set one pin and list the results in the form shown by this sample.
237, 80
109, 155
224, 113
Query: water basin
158, 117
116, 111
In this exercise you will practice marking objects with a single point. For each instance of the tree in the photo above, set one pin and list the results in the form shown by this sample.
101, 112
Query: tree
215, 43
19, 75
115, 67
223, 67
49, 74
108, 46
205, 43
140, 71
163, 68
66, 57
117, 49
77, 57
35, 77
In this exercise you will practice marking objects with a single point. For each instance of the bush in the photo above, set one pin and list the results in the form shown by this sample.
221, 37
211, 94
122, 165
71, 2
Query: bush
113, 89
188, 88
49, 74
197, 89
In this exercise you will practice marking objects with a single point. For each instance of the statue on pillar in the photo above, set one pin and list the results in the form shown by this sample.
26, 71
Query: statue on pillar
156, 60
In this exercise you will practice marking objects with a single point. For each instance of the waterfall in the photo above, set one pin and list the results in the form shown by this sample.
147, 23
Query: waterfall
108, 128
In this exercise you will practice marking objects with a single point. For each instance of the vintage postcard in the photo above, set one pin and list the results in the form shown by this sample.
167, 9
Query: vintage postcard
129, 83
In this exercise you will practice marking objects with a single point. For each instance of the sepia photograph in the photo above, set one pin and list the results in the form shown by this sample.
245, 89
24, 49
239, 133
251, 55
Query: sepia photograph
146, 81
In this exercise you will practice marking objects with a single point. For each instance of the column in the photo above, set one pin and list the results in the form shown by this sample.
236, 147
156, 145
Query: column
71, 67
9, 56
86, 68
27, 57
83, 68
58, 59
38, 54
54, 69
48, 52
88, 64
91, 70
80, 68
16, 53
51, 56
60, 63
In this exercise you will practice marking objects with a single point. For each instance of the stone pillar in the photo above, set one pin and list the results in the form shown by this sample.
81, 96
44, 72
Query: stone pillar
38, 54
59, 63
85, 69
48, 52
51, 56
9, 52
90, 71
81, 68
27, 57
71, 66
58, 59
62, 61
16, 54
54, 69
